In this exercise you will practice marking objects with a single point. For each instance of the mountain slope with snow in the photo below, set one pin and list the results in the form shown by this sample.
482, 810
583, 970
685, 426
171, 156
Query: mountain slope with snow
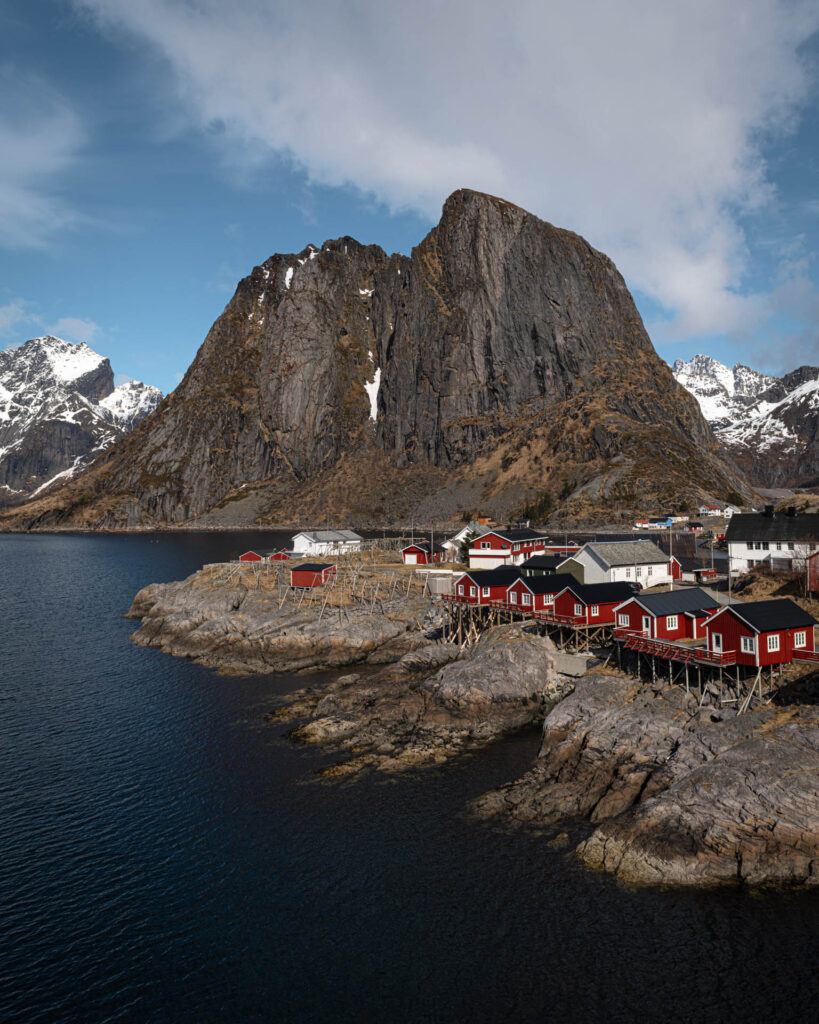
769, 424
59, 410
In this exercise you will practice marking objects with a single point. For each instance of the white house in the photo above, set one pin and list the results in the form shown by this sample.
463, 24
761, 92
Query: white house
632, 561
778, 540
453, 545
326, 542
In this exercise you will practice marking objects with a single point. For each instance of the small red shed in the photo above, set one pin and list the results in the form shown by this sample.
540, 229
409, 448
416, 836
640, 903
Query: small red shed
484, 585
760, 632
312, 574
422, 553
251, 556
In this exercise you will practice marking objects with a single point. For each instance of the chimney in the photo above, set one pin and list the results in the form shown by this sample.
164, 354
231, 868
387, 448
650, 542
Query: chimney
769, 511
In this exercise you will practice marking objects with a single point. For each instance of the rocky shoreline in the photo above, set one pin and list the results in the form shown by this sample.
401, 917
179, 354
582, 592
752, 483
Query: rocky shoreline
678, 794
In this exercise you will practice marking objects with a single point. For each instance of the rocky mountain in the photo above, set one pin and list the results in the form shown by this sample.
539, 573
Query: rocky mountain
503, 362
59, 410
770, 425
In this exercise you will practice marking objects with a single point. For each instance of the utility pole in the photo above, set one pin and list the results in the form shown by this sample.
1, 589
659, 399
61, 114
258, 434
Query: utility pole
671, 559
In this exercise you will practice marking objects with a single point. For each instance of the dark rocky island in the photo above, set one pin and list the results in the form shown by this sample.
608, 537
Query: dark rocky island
677, 793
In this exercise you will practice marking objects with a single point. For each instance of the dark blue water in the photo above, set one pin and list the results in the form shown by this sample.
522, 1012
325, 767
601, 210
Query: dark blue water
166, 855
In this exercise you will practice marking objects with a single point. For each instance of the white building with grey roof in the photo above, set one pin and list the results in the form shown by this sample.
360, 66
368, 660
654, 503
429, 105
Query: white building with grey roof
630, 561
326, 542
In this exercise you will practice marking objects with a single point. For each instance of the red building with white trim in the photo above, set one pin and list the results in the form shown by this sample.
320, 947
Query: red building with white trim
422, 553
312, 574
675, 615
591, 604
761, 633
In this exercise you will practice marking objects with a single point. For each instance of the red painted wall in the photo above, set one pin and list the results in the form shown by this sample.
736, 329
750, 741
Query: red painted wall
733, 630
250, 556
307, 578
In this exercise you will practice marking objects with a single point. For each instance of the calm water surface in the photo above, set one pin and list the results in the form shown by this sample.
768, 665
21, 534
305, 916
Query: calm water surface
166, 855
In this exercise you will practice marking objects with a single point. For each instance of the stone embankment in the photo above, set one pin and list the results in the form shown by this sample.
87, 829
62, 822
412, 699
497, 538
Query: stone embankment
680, 795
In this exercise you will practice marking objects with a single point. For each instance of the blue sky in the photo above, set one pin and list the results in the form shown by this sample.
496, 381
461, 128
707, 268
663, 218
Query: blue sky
153, 151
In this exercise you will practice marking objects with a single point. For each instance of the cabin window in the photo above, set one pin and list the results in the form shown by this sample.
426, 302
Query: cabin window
650, 571
638, 571
485, 591
778, 546
747, 645
460, 589
765, 545
526, 598
513, 598
578, 609
790, 547
485, 544
622, 619
800, 638
628, 573
549, 599
473, 591
595, 609
671, 621
773, 642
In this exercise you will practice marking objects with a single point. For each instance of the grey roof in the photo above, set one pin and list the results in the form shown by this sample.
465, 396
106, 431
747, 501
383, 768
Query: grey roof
771, 614
756, 526
628, 552
329, 536
677, 602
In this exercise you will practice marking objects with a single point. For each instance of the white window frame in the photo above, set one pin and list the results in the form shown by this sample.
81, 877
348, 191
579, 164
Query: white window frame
578, 609
748, 645
716, 643
473, 591
484, 591
773, 642
800, 638
485, 544
672, 622
526, 597
638, 572
622, 619
548, 598
628, 572
461, 589
513, 598
594, 610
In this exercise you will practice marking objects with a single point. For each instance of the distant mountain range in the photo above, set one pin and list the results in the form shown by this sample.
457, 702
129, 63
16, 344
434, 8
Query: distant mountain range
59, 409
768, 424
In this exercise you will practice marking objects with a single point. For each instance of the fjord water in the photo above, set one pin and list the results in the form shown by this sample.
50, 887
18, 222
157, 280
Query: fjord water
168, 855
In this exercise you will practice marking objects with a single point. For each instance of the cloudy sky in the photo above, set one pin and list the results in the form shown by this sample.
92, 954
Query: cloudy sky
153, 151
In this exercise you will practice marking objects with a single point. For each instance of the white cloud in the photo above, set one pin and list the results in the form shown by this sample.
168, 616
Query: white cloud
638, 126
73, 329
14, 315
39, 140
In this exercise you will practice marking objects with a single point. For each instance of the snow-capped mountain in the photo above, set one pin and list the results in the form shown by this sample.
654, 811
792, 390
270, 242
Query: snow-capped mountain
59, 409
769, 424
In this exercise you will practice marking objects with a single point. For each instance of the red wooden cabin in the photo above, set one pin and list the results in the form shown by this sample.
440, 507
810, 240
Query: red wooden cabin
676, 615
480, 586
591, 603
251, 556
537, 593
761, 632
312, 574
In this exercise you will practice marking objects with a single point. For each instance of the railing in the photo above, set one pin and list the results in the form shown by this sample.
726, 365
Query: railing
802, 654
677, 652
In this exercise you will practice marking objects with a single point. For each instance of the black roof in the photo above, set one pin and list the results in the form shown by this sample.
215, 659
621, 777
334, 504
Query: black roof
500, 576
543, 561
756, 526
601, 593
549, 584
313, 567
519, 535
775, 613
693, 564
422, 545
677, 602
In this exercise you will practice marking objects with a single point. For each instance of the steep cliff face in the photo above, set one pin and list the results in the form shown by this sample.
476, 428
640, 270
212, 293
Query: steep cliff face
505, 357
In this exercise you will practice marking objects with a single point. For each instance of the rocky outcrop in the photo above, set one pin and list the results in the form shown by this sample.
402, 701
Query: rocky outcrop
432, 703
504, 353
241, 629
59, 409
680, 795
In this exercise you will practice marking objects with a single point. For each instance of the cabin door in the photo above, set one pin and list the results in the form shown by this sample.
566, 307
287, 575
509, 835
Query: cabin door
647, 625
716, 643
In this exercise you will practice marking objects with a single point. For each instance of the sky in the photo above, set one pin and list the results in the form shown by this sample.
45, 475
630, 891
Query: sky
152, 152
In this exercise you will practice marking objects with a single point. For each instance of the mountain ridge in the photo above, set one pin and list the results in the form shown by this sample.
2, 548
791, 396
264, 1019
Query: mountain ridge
503, 359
